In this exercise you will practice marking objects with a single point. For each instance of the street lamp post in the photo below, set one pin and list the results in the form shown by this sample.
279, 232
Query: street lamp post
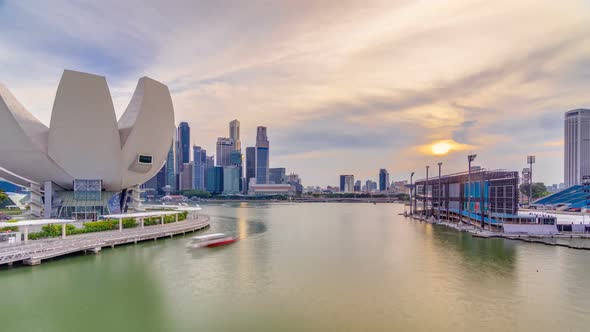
411, 189
426, 195
530, 160
470, 158
439, 190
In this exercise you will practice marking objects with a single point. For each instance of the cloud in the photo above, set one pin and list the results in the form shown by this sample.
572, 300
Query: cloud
343, 86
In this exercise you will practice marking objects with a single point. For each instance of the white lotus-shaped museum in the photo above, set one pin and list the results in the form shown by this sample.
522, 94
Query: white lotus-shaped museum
84, 140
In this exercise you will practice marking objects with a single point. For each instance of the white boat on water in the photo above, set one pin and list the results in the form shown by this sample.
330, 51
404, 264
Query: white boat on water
211, 240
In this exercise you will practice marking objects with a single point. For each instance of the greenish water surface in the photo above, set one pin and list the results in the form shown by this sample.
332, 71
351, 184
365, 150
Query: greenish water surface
307, 267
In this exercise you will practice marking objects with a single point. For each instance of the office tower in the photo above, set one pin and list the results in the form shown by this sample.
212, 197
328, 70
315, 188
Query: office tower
155, 185
293, 178
277, 175
183, 143
250, 165
170, 169
383, 180
576, 146
199, 166
262, 156
209, 163
215, 179
368, 186
224, 148
234, 134
235, 159
183, 136
231, 180
357, 186
186, 176
346, 183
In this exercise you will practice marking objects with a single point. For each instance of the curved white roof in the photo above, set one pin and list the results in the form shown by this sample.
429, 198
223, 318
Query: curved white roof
84, 140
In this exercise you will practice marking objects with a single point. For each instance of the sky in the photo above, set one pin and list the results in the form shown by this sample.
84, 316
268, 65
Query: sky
344, 87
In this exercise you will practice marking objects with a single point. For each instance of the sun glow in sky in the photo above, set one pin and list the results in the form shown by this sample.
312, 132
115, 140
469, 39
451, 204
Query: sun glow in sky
380, 80
441, 148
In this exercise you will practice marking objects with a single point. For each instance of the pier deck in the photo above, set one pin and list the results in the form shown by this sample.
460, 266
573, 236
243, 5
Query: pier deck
36, 251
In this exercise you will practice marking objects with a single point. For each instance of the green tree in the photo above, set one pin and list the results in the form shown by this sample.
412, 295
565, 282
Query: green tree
539, 190
195, 193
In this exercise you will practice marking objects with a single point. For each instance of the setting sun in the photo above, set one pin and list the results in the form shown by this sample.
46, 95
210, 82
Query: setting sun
441, 148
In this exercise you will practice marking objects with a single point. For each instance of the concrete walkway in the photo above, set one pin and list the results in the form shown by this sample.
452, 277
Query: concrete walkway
35, 251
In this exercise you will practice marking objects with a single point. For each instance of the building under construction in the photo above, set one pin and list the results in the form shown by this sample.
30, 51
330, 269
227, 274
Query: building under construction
484, 196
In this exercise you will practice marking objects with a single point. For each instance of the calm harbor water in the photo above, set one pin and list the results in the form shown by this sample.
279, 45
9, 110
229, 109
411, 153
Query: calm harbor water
307, 267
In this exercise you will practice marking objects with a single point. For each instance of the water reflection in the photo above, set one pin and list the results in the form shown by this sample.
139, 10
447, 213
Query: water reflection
113, 291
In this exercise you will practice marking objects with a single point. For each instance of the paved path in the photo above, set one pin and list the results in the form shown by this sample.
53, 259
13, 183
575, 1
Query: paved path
35, 251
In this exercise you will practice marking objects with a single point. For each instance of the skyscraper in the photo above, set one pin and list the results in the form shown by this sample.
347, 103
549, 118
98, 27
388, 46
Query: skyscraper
215, 179
199, 166
357, 186
183, 137
234, 134
262, 156
250, 165
224, 148
346, 183
235, 159
277, 175
170, 169
383, 180
209, 163
231, 180
576, 146
186, 176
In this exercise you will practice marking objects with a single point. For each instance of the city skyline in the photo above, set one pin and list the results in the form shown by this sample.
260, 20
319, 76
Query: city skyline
483, 79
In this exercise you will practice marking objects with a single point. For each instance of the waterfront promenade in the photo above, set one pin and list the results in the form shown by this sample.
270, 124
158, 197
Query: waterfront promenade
549, 240
34, 252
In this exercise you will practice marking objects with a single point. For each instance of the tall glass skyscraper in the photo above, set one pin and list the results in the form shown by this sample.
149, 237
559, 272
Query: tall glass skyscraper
234, 134
199, 166
383, 179
225, 146
262, 156
346, 183
250, 165
170, 169
277, 175
183, 138
576, 146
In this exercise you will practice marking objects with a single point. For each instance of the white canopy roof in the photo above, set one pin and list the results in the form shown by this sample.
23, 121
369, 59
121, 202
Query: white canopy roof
141, 214
36, 222
189, 208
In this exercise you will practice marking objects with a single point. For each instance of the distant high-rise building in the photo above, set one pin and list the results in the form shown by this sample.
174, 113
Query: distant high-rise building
234, 134
250, 165
293, 178
277, 175
262, 156
170, 169
224, 148
235, 159
186, 176
199, 166
155, 186
209, 163
346, 183
357, 186
231, 180
183, 137
576, 146
383, 180
215, 179
370, 186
